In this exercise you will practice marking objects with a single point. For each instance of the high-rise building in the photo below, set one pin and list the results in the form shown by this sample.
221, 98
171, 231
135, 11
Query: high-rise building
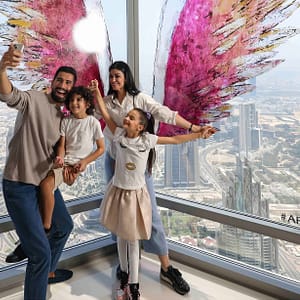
244, 194
249, 132
181, 165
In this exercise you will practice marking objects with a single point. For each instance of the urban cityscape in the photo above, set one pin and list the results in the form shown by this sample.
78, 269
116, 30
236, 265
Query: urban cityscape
252, 165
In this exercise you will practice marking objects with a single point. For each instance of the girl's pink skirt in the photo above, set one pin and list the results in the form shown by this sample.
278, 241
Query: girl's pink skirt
127, 213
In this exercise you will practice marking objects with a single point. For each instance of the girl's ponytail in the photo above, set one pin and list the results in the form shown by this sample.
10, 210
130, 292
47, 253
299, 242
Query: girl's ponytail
148, 121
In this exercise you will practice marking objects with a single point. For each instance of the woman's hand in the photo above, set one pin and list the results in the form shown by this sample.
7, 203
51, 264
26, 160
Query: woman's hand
206, 131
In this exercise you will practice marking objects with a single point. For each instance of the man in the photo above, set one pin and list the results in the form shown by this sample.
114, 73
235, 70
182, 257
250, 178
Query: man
31, 150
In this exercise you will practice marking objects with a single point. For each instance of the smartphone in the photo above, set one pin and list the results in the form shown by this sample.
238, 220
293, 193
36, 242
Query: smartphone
19, 47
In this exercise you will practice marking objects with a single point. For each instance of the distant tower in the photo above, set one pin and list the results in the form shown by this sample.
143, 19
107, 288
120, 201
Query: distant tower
244, 194
181, 165
249, 132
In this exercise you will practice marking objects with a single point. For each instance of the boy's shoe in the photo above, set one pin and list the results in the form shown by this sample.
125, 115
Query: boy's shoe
133, 291
174, 278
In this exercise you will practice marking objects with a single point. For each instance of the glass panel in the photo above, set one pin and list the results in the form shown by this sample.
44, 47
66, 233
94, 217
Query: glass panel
92, 181
86, 228
245, 246
115, 18
30, 71
30, 75
251, 164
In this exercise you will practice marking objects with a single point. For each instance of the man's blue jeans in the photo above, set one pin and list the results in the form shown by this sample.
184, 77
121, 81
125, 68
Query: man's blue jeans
43, 254
157, 243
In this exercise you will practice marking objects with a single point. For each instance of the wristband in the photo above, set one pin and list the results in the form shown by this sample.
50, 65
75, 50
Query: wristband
191, 127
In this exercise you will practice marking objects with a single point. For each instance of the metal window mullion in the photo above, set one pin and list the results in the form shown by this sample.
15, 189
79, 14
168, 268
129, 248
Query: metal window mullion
132, 17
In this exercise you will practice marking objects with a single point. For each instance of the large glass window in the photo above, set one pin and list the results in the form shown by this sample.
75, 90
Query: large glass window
114, 17
251, 165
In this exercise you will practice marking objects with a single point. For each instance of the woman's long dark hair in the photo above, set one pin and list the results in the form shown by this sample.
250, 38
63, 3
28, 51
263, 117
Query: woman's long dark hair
130, 86
148, 121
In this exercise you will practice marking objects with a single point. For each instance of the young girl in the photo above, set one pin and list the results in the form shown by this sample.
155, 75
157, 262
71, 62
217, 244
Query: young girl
123, 96
126, 207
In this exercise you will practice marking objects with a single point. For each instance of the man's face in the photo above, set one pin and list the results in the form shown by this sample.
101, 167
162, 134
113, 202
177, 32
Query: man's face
61, 85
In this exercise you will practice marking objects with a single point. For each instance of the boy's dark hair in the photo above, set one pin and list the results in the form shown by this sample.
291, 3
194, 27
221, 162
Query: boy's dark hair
85, 93
148, 121
130, 86
67, 69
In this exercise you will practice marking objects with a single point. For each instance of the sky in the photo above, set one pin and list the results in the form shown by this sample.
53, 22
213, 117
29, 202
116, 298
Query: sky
289, 51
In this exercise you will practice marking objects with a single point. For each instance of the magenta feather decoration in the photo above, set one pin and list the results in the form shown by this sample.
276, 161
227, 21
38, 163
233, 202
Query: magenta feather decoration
215, 47
45, 27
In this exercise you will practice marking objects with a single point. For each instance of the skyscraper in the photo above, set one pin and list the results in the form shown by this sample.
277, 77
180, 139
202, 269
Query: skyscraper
181, 165
244, 194
249, 132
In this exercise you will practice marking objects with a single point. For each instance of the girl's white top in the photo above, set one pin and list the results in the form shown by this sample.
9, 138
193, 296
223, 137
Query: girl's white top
131, 155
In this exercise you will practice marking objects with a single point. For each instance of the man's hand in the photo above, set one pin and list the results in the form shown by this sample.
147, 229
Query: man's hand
11, 58
69, 175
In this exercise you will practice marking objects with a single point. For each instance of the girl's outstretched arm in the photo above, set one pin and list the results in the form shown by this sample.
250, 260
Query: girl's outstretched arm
205, 132
93, 86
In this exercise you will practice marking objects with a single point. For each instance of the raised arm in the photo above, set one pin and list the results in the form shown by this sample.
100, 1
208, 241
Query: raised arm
204, 133
100, 102
11, 58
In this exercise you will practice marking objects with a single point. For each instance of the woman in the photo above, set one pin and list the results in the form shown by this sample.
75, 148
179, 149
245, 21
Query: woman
122, 97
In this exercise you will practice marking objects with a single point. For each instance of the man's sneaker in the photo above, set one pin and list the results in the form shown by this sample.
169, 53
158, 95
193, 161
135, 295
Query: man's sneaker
133, 291
16, 255
174, 278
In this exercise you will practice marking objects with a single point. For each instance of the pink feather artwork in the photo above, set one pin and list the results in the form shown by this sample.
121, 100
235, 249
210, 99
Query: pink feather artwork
45, 28
213, 49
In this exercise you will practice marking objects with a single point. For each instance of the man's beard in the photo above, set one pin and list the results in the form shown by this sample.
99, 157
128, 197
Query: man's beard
56, 98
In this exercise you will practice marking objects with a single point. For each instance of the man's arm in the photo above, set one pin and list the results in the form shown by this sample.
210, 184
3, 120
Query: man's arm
11, 58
